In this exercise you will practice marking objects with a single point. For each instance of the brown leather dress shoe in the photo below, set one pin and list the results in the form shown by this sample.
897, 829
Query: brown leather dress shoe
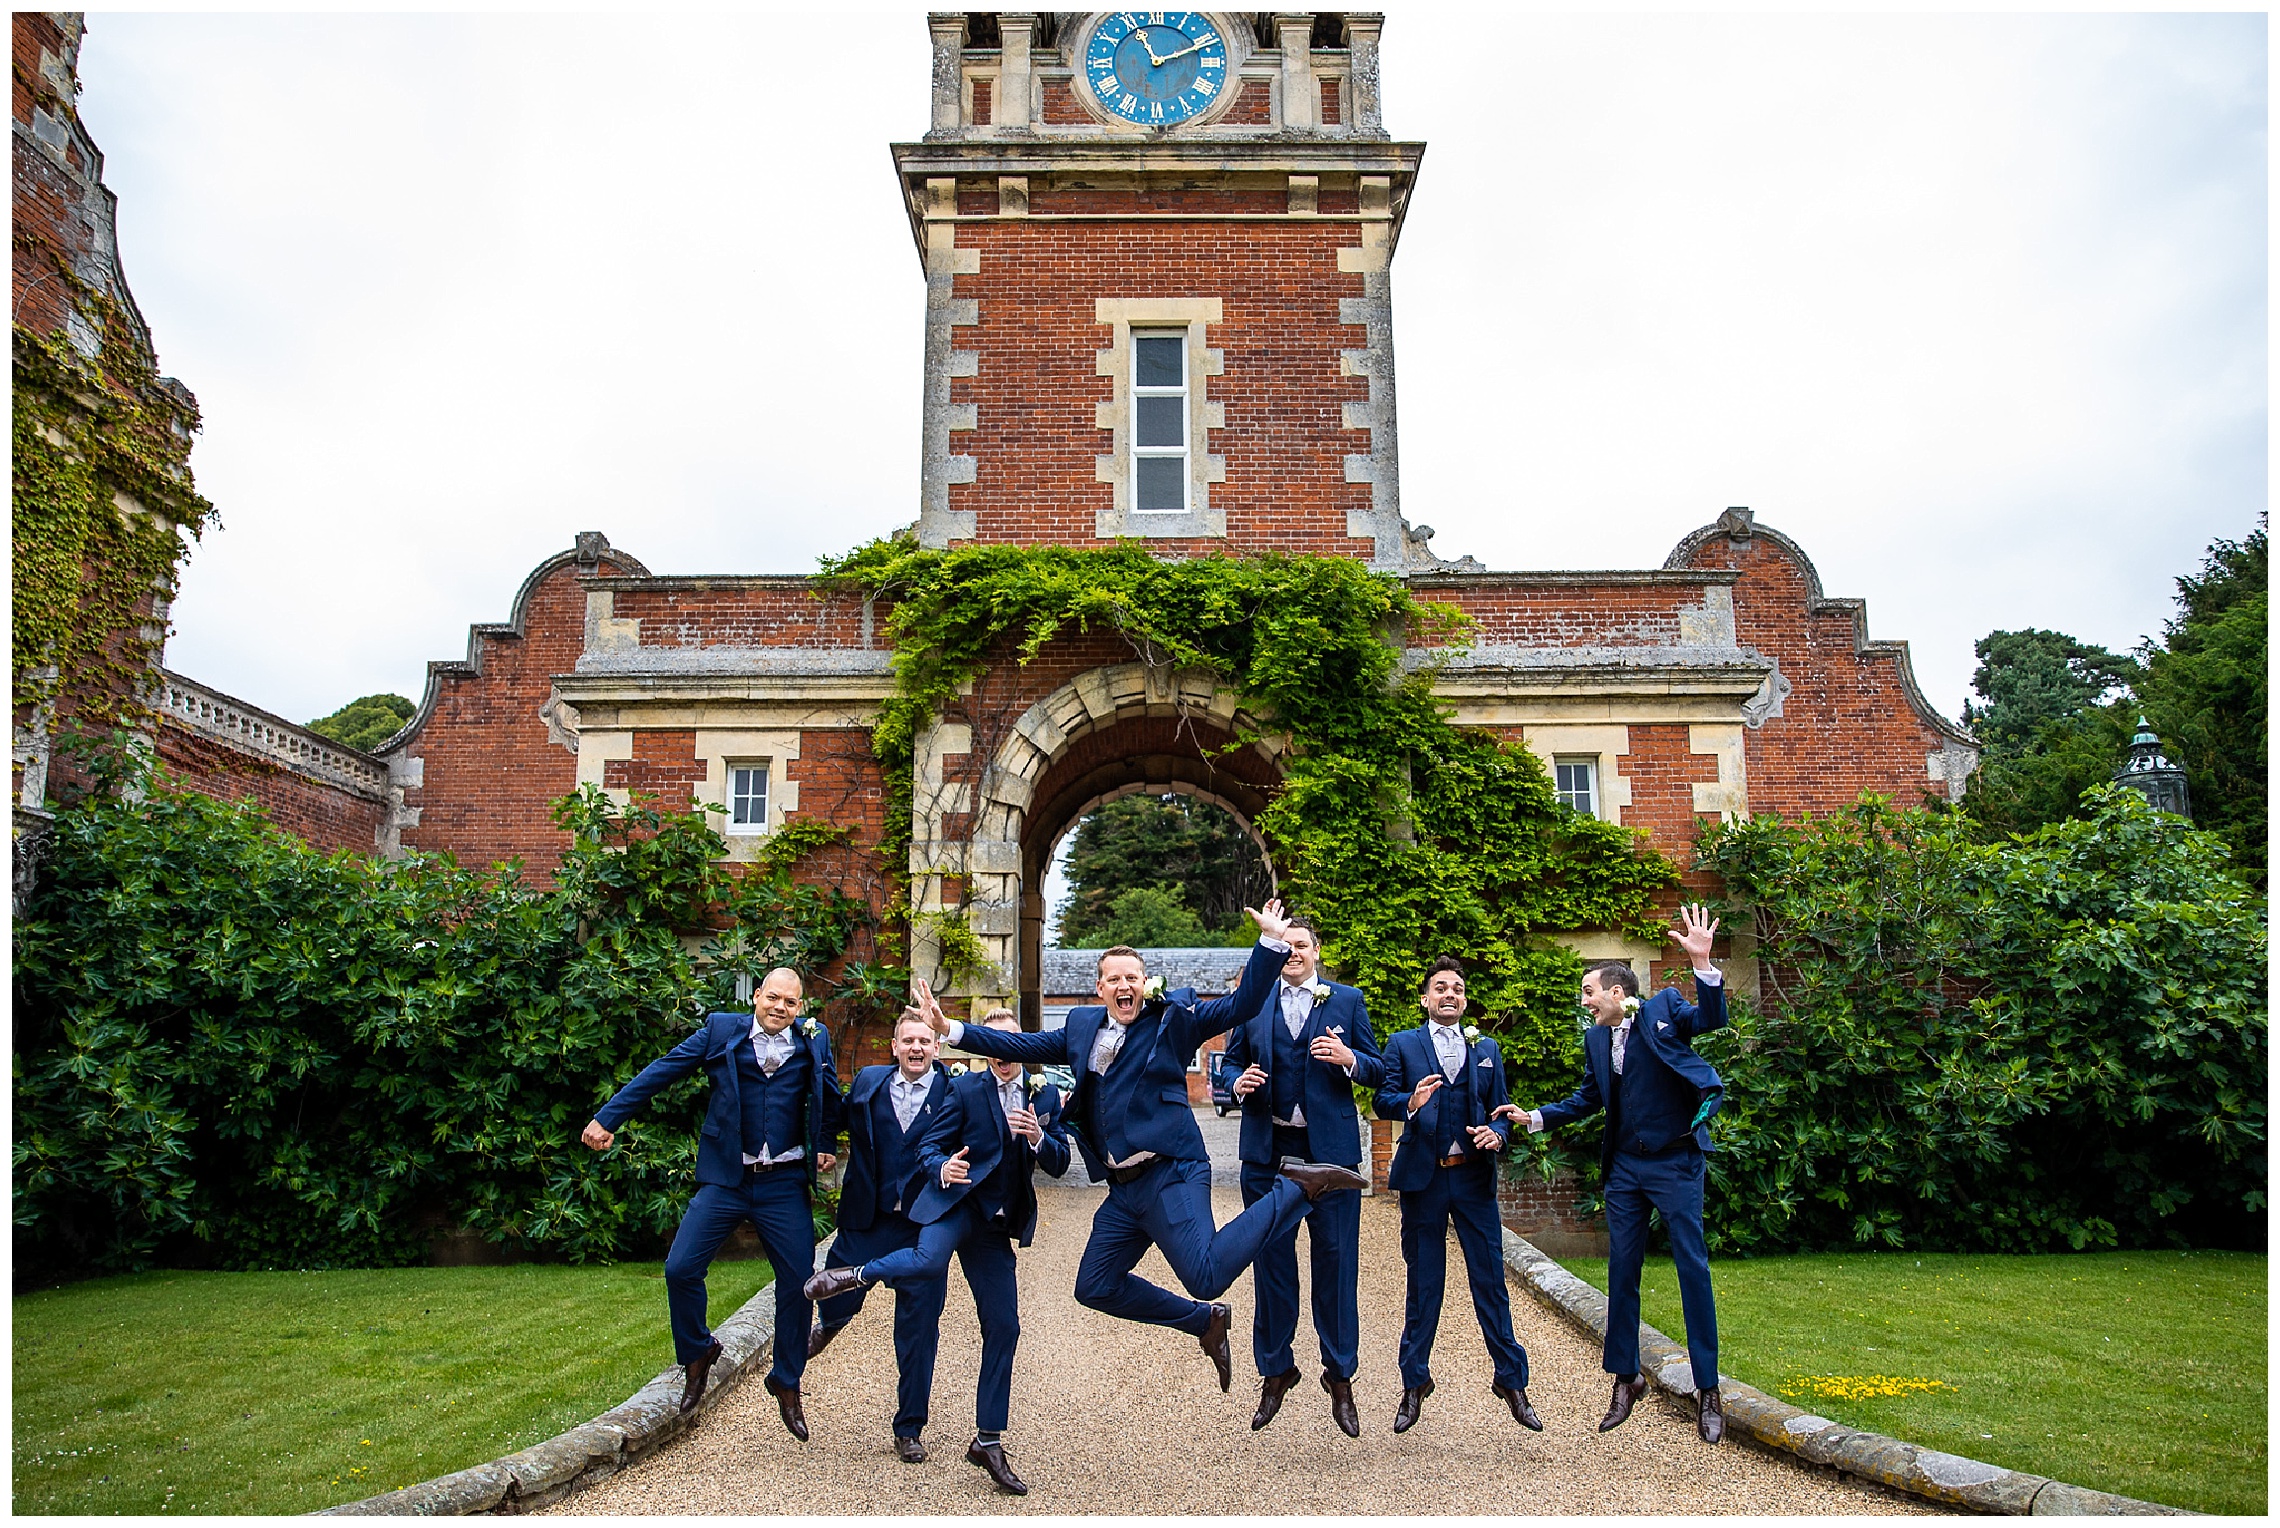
699, 1369
1214, 1342
1627, 1393
1412, 1402
1711, 1421
1271, 1391
991, 1457
1522, 1412
819, 1336
1319, 1178
787, 1406
1342, 1405
909, 1450
832, 1281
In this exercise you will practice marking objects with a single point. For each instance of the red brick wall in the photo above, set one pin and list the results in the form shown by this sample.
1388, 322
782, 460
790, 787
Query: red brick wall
491, 771
663, 768
1571, 611
322, 814
734, 612
1545, 1212
1284, 441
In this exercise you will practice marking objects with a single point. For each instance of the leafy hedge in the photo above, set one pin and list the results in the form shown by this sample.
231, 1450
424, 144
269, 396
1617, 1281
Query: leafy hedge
230, 1048
2053, 1041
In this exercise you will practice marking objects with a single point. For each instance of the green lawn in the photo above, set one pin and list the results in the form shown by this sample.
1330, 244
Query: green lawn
284, 1392
2141, 1373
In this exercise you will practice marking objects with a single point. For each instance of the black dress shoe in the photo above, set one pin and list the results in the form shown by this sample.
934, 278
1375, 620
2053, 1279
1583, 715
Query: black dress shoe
991, 1457
832, 1281
699, 1369
1627, 1393
819, 1336
1711, 1421
788, 1406
1522, 1412
1342, 1409
1271, 1391
1412, 1402
909, 1450
1319, 1178
1214, 1342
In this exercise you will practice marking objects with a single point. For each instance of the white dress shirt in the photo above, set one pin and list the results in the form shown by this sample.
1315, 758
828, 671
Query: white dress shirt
1449, 1046
1615, 1043
772, 1051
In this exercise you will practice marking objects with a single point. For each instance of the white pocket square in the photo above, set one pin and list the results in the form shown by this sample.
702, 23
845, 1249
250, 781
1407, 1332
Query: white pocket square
1662, 1024
1486, 1060
1335, 1029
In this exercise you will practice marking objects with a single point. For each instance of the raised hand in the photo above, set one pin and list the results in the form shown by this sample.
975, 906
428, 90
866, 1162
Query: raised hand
596, 1137
1272, 923
1695, 931
1425, 1090
954, 1170
1252, 1079
925, 1007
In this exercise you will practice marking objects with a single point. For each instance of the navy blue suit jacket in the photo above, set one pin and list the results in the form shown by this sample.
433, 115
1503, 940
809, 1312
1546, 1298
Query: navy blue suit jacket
861, 1195
1663, 1030
721, 1148
1409, 1060
1333, 1132
972, 1120
1160, 1119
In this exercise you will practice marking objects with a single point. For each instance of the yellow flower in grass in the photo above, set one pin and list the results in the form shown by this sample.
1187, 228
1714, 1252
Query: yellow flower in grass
1859, 1387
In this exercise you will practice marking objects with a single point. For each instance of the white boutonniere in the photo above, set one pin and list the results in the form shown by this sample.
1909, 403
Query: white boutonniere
809, 1028
1472, 1034
1321, 991
1152, 988
1630, 1005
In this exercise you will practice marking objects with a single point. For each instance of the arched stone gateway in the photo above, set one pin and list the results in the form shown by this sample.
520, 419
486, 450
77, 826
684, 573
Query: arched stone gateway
1109, 732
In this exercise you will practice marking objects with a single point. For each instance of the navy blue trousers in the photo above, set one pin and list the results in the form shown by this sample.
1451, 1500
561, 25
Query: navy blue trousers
918, 1309
1673, 1185
1333, 1234
1168, 1207
777, 1205
986, 1257
1465, 1196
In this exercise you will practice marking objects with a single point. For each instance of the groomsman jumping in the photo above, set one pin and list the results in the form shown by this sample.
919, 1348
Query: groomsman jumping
1639, 1066
769, 1127
1300, 1059
978, 1201
1136, 1128
1448, 1088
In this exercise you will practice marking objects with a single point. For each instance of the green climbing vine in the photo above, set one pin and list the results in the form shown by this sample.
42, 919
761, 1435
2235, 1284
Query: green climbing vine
1408, 837
102, 497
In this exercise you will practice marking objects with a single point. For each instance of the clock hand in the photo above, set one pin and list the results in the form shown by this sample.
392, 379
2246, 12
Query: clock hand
1153, 60
1193, 47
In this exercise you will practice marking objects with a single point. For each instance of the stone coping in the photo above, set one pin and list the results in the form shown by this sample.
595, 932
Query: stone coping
1947, 1478
569, 1462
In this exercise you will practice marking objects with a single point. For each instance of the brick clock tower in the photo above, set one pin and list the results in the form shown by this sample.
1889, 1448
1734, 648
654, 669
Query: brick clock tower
1158, 250
1158, 255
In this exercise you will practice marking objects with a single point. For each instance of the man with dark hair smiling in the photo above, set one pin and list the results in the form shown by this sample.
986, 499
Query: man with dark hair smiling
1448, 1085
1136, 1129
1639, 1066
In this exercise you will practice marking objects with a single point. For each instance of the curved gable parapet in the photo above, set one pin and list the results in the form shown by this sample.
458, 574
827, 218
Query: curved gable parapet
591, 550
1738, 527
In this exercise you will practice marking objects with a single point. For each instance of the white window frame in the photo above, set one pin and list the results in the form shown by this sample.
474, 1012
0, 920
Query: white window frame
1589, 764
1179, 453
1190, 317
732, 768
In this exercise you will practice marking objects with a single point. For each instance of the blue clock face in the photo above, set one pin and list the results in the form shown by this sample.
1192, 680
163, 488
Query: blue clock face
1156, 68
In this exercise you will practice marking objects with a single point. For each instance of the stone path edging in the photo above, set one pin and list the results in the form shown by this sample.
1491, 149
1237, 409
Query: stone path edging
1948, 1478
567, 1463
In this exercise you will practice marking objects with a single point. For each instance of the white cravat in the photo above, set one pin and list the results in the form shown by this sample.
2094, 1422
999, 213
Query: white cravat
1449, 1045
908, 1097
1107, 1044
771, 1052
1297, 1007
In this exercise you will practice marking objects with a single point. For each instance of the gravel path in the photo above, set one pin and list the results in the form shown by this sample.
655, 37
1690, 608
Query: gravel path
1109, 1417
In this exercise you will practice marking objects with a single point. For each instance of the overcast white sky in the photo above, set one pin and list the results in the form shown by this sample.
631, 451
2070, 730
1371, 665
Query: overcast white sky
1973, 307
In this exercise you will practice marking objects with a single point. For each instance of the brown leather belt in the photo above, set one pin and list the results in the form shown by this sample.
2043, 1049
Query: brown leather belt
1456, 1159
755, 1169
1128, 1174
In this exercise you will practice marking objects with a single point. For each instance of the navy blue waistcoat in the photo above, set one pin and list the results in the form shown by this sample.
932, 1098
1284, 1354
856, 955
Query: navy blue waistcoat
775, 1108
1286, 1072
1653, 1104
896, 1152
1111, 1093
1460, 1108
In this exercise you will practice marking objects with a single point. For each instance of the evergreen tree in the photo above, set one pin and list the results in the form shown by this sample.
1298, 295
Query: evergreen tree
365, 723
1189, 855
